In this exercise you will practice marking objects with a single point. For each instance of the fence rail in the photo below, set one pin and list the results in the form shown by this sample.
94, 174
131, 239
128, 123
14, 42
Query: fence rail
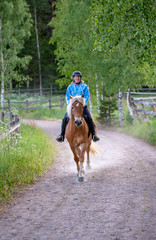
52, 90
27, 104
141, 107
14, 124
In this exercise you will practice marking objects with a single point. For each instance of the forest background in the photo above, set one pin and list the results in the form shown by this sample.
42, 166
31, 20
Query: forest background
112, 43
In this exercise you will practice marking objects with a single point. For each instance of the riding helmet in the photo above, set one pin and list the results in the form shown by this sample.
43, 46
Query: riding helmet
76, 73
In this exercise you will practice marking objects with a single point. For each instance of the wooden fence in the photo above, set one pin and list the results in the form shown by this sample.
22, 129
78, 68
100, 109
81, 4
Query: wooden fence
27, 104
13, 126
142, 106
52, 90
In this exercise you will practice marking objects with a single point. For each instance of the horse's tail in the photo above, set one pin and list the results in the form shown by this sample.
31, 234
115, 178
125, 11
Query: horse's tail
94, 149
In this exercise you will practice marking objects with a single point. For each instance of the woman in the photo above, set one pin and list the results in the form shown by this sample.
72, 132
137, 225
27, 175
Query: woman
75, 89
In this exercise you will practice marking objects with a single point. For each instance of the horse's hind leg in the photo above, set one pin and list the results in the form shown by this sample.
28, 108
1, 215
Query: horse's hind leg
88, 158
88, 161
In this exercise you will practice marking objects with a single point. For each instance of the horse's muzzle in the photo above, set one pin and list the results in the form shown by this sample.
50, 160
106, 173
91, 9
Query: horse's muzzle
78, 122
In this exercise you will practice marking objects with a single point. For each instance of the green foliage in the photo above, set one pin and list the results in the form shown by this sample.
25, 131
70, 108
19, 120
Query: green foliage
133, 22
15, 28
101, 46
74, 43
22, 163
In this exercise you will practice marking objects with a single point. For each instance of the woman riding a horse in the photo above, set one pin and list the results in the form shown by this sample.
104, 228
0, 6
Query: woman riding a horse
78, 88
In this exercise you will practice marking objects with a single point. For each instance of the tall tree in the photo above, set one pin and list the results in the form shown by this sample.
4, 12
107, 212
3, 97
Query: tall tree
74, 43
128, 24
38, 48
44, 51
15, 24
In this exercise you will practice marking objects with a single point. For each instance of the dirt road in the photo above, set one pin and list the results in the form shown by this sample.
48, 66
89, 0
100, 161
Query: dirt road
117, 200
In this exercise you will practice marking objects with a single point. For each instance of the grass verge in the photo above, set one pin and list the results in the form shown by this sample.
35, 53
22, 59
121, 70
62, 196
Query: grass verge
142, 130
22, 160
44, 114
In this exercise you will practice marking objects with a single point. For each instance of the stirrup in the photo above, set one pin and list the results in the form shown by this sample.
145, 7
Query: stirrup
60, 138
95, 138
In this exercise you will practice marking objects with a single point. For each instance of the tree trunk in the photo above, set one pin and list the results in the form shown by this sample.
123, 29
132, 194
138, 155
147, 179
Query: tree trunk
102, 92
90, 104
90, 100
97, 95
38, 49
120, 109
2, 67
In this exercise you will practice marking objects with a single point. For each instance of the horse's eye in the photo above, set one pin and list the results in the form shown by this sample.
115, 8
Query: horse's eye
72, 108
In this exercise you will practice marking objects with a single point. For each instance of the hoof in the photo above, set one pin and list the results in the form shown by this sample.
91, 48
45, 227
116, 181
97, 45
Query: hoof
80, 179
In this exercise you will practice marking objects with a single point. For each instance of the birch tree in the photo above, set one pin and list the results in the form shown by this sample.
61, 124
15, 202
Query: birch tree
38, 49
15, 24
2, 66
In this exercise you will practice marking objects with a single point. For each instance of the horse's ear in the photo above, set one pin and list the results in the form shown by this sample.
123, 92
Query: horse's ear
70, 96
82, 95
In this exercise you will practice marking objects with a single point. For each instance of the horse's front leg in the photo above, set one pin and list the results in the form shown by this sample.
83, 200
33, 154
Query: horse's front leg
76, 157
81, 172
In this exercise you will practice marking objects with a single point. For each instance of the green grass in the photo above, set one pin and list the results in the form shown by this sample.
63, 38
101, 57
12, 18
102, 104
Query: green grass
44, 114
21, 163
142, 130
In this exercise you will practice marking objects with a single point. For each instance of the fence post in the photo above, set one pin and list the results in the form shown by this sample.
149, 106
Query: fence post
27, 105
61, 102
16, 121
143, 107
51, 90
11, 119
19, 92
2, 116
50, 106
129, 105
9, 105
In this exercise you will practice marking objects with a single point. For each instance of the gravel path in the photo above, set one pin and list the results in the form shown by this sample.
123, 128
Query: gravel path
117, 200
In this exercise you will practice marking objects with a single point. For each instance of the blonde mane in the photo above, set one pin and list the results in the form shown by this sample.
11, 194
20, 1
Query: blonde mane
72, 100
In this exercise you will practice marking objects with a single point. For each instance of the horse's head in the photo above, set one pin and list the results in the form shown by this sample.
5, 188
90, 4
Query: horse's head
75, 109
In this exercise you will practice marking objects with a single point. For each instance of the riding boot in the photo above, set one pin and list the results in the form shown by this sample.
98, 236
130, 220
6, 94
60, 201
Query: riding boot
60, 138
91, 126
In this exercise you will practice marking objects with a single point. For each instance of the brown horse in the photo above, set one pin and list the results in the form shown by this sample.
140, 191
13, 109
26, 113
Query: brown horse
77, 134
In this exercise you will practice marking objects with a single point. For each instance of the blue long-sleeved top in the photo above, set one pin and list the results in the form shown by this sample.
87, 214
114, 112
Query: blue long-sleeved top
75, 90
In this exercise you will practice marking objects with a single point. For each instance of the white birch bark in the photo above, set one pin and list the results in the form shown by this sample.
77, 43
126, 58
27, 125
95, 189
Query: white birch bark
90, 104
2, 67
97, 94
38, 49
102, 93
120, 109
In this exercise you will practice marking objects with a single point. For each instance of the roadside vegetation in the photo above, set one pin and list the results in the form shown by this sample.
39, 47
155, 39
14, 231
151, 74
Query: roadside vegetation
139, 129
23, 158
